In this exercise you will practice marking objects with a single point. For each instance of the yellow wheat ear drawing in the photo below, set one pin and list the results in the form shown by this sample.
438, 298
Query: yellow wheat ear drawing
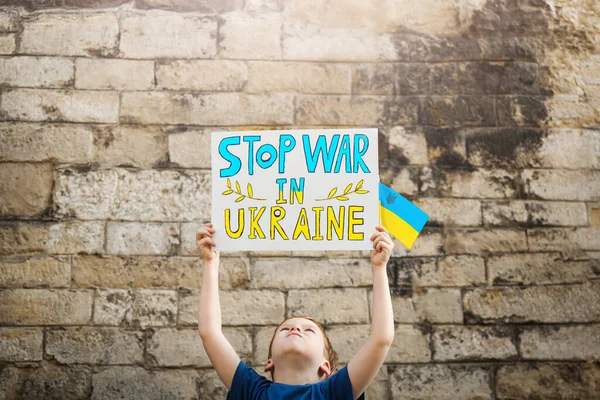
344, 196
238, 191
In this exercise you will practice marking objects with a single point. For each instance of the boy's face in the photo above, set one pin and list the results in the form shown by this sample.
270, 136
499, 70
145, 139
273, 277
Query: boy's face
300, 337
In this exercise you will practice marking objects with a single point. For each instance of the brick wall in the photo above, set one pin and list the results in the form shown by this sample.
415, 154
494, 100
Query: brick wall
489, 118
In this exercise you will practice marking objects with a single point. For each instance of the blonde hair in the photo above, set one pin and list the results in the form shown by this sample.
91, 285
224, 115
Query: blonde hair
330, 354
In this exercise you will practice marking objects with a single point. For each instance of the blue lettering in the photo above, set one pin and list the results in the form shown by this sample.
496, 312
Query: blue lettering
344, 152
234, 162
320, 148
358, 153
285, 148
269, 150
251, 140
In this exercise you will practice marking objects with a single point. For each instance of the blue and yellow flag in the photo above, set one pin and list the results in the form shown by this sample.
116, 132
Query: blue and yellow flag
399, 216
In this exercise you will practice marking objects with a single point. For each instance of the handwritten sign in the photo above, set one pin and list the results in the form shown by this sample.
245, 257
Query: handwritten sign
295, 189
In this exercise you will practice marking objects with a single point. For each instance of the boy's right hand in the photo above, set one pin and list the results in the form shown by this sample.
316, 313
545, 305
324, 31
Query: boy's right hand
205, 242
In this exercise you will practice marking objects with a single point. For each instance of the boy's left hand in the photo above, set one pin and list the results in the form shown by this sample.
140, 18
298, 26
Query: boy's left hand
383, 245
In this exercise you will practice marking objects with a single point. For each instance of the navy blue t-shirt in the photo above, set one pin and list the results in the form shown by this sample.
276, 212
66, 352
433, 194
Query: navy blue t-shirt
248, 384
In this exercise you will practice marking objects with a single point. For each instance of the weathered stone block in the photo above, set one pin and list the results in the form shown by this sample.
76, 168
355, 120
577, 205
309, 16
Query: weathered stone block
154, 36
130, 146
351, 305
484, 241
562, 184
86, 34
45, 307
21, 344
534, 213
242, 36
31, 272
150, 238
545, 304
308, 78
49, 381
302, 273
25, 189
23, 141
474, 343
135, 308
92, 345
560, 342
246, 307
203, 75
564, 239
457, 111
183, 347
373, 79
46, 72
114, 74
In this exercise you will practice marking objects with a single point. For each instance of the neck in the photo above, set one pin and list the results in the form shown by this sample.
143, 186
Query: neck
296, 372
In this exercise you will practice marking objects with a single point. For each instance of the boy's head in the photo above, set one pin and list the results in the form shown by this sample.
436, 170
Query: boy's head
303, 337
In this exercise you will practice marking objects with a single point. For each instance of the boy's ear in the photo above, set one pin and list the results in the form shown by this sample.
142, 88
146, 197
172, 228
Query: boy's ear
270, 365
325, 369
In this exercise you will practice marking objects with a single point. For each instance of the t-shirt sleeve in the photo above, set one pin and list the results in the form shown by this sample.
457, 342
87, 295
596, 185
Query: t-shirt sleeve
340, 387
245, 384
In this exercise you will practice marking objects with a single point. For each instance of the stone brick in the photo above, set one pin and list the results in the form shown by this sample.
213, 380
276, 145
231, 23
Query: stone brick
425, 305
25, 189
91, 345
498, 78
149, 238
250, 307
457, 111
570, 149
262, 339
482, 241
51, 238
177, 348
36, 72
560, 342
440, 381
20, 344
330, 306
298, 273
356, 110
181, 143
515, 110
447, 146
49, 381
452, 212
476, 184
31, 272
380, 385
114, 74
250, 37
429, 243
203, 6
60, 105
130, 146
474, 343
411, 345
86, 34
139, 308
447, 271
203, 75
308, 78
304, 43
539, 269
22, 141
347, 340
545, 304
404, 180
134, 195
373, 79
154, 36
45, 307
8, 21
427, 79
207, 109
408, 145
548, 381
570, 110
261, 6
562, 184
534, 213
8, 44
594, 215
153, 272
130, 382
210, 385
565, 239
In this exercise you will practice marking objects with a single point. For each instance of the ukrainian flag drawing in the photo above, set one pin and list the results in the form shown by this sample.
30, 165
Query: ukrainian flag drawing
399, 216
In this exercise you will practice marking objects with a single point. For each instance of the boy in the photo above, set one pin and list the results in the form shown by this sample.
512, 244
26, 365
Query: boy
301, 360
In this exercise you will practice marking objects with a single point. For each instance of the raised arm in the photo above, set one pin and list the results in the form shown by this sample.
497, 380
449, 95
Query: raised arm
222, 355
365, 364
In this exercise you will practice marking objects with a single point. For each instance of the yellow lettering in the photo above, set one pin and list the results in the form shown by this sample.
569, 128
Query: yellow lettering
240, 230
317, 211
338, 225
352, 221
301, 226
277, 214
254, 226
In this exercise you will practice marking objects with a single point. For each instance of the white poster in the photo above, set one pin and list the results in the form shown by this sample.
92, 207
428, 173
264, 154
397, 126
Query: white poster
295, 189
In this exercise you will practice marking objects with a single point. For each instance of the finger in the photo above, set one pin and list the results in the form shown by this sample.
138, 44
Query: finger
201, 233
381, 228
206, 241
376, 241
378, 247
